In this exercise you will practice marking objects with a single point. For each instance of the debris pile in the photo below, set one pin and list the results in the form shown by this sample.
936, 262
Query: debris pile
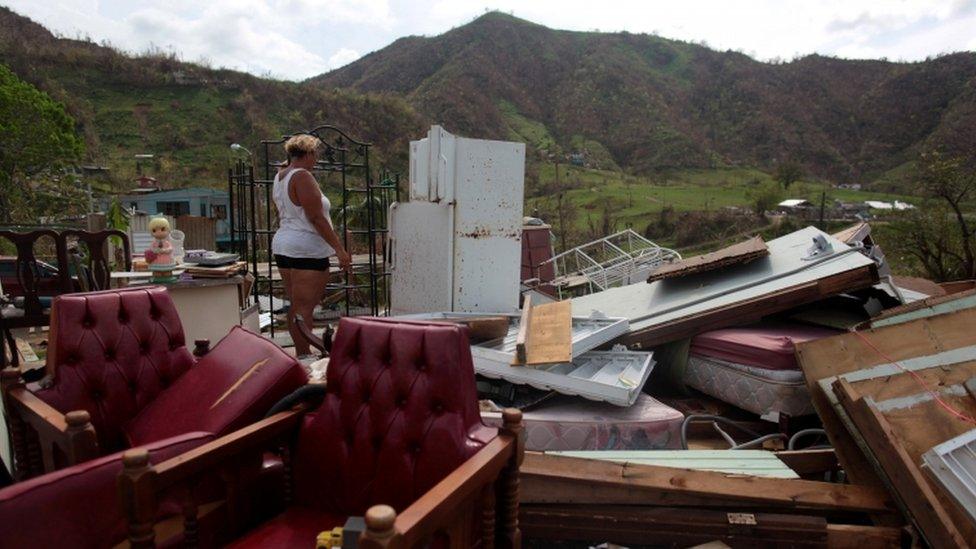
780, 393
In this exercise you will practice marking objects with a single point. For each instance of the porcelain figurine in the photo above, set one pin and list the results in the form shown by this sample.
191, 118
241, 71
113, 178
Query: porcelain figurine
159, 256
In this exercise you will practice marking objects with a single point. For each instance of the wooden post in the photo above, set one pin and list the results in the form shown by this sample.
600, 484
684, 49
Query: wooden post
81, 439
201, 347
379, 528
138, 497
10, 378
511, 536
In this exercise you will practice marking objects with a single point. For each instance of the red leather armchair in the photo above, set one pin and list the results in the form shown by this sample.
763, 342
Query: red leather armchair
397, 438
119, 375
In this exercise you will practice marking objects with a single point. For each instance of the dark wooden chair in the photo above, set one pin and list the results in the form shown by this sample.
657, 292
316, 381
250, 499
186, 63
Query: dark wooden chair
398, 440
322, 344
37, 284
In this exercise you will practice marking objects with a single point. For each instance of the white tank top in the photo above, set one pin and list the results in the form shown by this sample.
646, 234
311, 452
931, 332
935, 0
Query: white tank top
296, 236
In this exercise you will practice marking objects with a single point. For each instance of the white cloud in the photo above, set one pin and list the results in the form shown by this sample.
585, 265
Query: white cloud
343, 57
297, 39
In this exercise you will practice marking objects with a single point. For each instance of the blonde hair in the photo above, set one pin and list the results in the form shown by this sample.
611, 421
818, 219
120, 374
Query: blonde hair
158, 223
299, 145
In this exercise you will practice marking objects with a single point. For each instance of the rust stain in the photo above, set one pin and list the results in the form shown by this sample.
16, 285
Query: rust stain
250, 371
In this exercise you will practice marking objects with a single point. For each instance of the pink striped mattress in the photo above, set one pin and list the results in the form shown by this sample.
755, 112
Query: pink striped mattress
770, 346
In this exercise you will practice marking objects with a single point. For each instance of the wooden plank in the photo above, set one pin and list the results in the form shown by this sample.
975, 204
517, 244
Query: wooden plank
548, 335
808, 462
800, 494
669, 526
855, 536
741, 252
927, 511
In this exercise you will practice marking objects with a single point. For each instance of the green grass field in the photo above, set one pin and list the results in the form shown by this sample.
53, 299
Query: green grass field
637, 200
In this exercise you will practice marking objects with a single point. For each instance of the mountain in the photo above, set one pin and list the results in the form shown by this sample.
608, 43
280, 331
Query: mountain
646, 103
185, 114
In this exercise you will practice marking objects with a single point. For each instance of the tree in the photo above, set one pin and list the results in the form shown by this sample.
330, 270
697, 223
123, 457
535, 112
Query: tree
765, 197
36, 135
787, 173
952, 180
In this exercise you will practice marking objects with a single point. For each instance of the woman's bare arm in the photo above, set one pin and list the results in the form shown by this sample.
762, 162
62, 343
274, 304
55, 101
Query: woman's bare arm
310, 199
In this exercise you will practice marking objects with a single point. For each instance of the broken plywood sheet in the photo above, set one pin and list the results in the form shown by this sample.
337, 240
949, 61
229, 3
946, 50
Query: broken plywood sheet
670, 309
743, 252
922, 309
846, 353
545, 334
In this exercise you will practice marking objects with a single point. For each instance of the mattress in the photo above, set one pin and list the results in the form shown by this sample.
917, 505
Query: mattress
567, 423
770, 346
758, 390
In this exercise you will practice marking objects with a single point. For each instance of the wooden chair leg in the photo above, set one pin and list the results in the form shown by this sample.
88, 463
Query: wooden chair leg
138, 497
510, 534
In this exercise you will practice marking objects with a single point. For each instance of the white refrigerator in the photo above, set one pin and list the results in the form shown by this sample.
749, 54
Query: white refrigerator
455, 245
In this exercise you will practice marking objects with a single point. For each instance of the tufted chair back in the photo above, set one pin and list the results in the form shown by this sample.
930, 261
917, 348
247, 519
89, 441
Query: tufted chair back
400, 413
110, 353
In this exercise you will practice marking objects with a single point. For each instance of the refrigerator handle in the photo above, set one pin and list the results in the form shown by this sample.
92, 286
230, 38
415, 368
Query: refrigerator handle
389, 253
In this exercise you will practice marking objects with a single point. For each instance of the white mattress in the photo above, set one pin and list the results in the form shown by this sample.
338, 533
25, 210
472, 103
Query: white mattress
757, 390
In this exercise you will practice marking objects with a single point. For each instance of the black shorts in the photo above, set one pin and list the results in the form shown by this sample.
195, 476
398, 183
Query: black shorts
307, 263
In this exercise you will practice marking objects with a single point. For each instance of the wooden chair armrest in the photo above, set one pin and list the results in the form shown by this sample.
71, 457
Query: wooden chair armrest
72, 433
436, 510
218, 451
140, 482
433, 510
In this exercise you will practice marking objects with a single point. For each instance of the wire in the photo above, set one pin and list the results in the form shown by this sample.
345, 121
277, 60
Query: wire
757, 441
802, 433
709, 417
918, 379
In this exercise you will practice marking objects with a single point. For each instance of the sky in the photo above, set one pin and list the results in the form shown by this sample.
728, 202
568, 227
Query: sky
298, 39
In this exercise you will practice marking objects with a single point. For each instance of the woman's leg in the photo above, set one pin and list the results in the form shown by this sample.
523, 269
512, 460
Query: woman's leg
286, 282
307, 287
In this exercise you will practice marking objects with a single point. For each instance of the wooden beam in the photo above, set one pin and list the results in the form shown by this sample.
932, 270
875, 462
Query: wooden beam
906, 477
786, 493
670, 526
855, 536
523, 331
808, 462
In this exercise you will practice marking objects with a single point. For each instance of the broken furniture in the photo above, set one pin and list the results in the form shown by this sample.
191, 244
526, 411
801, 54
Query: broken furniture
397, 439
545, 334
119, 375
35, 282
614, 376
616, 260
890, 394
754, 367
570, 423
78, 506
455, 245
802, 267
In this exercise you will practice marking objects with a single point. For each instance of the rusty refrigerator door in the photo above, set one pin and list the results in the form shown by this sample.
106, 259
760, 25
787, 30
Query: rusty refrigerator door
488, 190
456, 245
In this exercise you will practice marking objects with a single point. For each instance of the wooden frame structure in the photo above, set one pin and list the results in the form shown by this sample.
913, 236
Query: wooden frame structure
488, 481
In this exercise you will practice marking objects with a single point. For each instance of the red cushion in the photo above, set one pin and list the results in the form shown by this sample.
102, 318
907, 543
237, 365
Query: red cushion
763, 345
400, 413
110, 353
77, 506
296, 527
234, 385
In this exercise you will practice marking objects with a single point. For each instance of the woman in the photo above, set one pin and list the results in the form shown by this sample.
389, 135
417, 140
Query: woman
305, 239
